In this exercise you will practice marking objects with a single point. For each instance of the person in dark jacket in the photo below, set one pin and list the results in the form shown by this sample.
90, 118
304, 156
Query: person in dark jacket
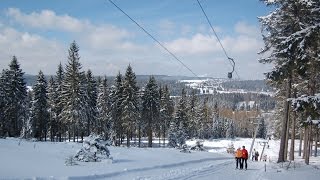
244, 158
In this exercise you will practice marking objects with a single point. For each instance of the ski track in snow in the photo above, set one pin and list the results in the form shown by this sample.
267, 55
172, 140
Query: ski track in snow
158, 167
203, 171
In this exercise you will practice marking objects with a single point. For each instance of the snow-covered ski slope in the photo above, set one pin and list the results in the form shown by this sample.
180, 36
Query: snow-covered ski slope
20, 159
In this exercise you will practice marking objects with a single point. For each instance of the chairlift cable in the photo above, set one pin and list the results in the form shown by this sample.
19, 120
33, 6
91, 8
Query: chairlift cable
152, 37
231, 60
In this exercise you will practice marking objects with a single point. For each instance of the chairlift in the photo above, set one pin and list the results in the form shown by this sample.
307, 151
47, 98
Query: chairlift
233, 65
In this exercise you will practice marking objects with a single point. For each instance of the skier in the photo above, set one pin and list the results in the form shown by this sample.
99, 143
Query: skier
256, 156
238, 155
253, 153
244, 158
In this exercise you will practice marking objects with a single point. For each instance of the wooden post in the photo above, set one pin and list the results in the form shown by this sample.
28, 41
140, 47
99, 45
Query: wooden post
254, 137
264, 145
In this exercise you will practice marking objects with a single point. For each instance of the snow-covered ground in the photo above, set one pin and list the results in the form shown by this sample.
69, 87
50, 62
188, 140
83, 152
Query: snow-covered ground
21, 159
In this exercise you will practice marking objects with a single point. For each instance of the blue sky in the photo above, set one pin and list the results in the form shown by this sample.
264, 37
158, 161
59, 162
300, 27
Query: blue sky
40, 32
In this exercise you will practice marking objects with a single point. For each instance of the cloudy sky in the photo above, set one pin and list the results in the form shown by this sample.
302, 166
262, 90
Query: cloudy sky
39, 33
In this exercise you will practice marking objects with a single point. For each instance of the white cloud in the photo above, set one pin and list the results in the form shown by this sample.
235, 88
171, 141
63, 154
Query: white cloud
247, 29
101, 36
33, 51
47, 19
245, 40
198, 44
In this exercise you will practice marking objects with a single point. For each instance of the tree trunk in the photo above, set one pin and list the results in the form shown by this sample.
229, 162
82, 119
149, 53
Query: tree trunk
164, 135
159, 137
305, 142
128, 138
139, 136
300, 144
281, 157
316, 142
287, 140
149, 136
150, 131
135, 136
293, 133
74, 133
88, 128
311, 140
307, 145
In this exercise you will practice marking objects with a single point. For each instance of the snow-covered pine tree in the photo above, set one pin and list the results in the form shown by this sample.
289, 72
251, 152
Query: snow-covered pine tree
181, 135
27, 126
289, 33
2, 103
172, 136
217, 125
150, 107
130, 104
91, 110
74, 94
205, 130
181, 117
166, 111
116, 95
231, 131
15, 92
262, 129
52, 97
62, 125
104, 126
194, 124
40, 113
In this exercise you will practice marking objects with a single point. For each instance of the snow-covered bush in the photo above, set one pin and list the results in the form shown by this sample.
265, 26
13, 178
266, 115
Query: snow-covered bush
198, 146
185, 149
93, 149
70, 161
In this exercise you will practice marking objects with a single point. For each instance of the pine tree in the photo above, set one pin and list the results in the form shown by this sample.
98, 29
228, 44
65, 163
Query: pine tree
104, 125
181, 118
151, 107
74, 95
116, 110
58, 103
194, 123
2, 103
91, 102
40, 114
172, 137
129, 105
27, 124
205, 130
52, 97
230, 132
291, 35
262, 129
181, 135
166, 111
218, 125
15, 92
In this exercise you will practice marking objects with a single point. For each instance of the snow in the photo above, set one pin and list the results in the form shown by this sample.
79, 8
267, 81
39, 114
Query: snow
21, 159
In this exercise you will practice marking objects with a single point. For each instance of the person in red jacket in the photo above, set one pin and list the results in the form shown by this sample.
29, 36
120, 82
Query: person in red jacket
244, 158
